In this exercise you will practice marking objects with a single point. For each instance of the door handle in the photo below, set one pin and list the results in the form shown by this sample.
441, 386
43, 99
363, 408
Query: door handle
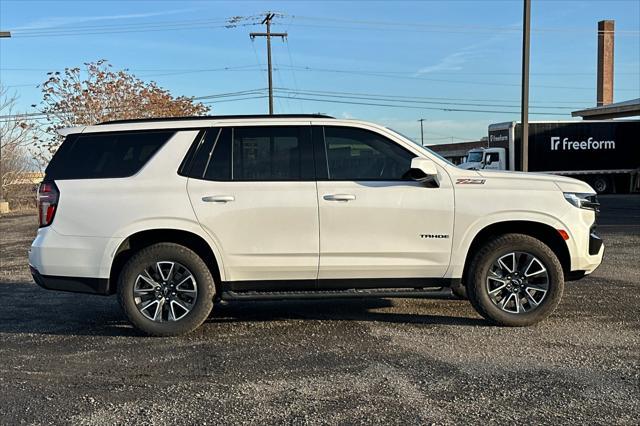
339, 197
218, 198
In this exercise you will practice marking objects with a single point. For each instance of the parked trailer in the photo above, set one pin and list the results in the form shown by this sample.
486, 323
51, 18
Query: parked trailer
604, 153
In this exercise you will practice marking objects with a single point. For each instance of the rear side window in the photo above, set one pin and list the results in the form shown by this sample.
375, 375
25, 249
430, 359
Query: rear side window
265, 153
272, 153
105, 155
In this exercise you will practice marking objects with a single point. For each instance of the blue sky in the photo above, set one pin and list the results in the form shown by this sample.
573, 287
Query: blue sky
422, 56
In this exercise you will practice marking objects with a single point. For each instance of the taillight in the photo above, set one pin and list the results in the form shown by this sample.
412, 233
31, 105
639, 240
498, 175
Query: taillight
48, 196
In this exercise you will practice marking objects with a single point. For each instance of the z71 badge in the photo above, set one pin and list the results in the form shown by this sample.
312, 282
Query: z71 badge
470, 181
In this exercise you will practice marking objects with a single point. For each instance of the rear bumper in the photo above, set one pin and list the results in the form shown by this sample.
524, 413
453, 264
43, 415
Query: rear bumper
73, 284
57, 255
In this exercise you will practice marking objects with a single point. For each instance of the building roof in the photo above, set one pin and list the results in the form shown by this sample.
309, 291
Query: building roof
628, 108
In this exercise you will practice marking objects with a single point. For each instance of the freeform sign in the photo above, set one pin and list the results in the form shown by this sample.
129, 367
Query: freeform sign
558, 144
498, 138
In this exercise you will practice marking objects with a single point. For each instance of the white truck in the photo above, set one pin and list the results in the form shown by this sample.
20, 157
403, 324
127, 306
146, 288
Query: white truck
175, 214
605, 153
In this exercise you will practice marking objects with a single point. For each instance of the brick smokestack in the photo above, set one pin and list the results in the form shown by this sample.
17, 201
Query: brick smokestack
605, 62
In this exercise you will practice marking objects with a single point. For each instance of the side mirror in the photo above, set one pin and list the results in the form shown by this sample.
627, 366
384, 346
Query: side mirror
424, 170
489, 159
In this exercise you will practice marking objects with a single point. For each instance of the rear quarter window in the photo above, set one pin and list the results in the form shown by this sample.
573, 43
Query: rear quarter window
105, 155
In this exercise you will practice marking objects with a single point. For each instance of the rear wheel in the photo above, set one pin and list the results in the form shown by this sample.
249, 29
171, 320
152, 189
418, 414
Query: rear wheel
166, 290
601, 184
515, 280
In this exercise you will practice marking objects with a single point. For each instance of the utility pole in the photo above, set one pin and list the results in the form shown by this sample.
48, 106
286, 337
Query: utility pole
4, 206
267, 21
421, 131
526, 35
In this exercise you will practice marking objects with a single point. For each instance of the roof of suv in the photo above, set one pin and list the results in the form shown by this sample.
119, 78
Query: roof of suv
189, 122
215, 117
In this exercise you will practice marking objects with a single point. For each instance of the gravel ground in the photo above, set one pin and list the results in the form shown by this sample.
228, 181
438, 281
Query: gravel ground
69, 358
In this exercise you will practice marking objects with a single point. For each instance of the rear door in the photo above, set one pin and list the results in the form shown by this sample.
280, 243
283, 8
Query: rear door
375, 222
253, 190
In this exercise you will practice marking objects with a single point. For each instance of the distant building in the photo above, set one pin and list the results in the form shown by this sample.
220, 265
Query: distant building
629, 108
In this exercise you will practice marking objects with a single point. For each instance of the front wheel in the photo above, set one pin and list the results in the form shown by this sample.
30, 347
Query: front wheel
166, 290
515, 280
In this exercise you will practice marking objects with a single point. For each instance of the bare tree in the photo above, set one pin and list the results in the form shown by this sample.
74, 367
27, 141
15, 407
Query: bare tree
80, 97
16, 136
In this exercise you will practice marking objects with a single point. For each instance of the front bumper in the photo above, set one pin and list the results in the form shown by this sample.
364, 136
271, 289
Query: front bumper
72, 284
589, 261
595, 244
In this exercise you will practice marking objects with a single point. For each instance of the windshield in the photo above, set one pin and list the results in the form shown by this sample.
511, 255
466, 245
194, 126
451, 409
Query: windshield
423, 147
474, 157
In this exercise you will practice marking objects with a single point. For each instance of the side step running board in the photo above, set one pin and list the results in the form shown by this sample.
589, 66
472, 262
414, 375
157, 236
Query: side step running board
426, 293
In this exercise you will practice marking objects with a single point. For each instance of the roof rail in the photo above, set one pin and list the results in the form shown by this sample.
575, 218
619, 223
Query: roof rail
215, 117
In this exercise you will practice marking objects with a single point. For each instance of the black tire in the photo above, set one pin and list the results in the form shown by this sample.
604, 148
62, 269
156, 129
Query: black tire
601, 184
483, 261
183, 256
459, 290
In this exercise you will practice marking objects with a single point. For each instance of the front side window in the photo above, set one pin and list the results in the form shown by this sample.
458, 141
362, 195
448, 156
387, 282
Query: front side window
358, 154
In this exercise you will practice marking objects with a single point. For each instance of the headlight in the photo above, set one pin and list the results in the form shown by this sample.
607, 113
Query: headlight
582, 200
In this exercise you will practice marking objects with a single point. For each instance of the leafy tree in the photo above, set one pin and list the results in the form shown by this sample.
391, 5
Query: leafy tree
97, 93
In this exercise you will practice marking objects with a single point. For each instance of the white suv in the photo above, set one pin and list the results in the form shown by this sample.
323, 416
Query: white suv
176, 214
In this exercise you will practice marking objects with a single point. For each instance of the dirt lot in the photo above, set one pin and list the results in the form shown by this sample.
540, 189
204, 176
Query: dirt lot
68, 358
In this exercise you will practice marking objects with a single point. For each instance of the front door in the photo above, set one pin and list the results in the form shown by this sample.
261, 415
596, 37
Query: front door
375, 222
253, 190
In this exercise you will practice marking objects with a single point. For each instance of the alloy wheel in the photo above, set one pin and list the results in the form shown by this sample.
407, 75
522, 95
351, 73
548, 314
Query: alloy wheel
517, 282
165, 291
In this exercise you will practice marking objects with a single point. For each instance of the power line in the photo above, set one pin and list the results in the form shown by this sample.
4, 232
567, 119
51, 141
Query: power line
241, 92
278, 81
292, 94
236, 99
135, 30
194, 71
184, 70
230, 22
119, 25
385, 74
219, 98
413, 26
486, 83
395, 101
406, 99
421, 107
293, 73
197, 70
